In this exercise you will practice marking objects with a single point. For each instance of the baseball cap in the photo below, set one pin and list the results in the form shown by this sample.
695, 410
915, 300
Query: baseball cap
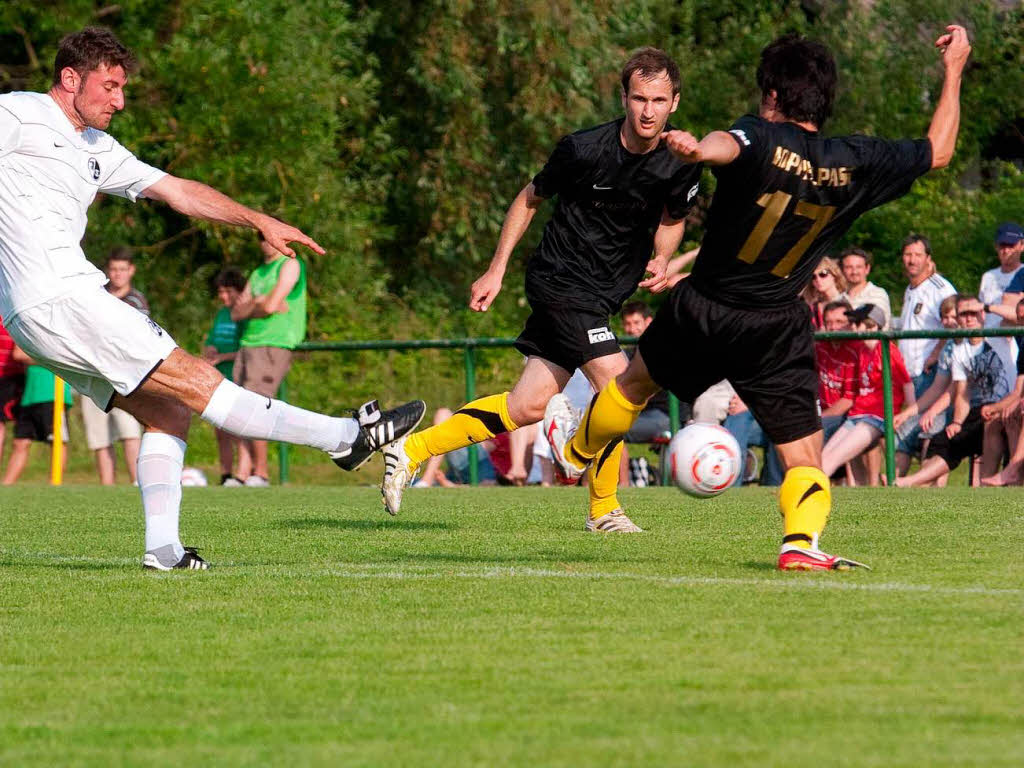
871, 312
1009, 233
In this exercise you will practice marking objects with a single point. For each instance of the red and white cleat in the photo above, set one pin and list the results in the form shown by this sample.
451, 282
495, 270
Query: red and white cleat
794, 558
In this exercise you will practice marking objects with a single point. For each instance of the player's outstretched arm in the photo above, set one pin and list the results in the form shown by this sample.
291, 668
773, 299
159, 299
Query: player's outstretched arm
517, 221
717, 148
196, 199
667, 238
946, 120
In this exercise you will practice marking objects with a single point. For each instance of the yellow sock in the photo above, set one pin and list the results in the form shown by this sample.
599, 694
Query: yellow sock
603, 480
473, 423
609, 416
805, 501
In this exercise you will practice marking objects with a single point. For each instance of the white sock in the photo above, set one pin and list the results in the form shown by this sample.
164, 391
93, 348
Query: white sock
159, 471
255, 417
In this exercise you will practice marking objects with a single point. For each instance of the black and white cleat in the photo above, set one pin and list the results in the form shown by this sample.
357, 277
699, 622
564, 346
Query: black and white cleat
378, 428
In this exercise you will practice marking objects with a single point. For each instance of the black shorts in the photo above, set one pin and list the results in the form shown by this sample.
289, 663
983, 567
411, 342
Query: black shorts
767, 356
11, 388
567, 337
35, 422
969, 441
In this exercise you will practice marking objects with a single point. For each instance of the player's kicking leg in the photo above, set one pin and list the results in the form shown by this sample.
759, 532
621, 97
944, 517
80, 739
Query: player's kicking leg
183, 384
605, 513
475, 422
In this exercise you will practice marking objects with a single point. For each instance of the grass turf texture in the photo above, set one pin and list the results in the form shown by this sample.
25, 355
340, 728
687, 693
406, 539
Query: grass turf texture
483, 627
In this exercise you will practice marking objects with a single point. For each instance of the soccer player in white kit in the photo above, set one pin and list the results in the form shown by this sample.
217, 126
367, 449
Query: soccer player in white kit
54, 158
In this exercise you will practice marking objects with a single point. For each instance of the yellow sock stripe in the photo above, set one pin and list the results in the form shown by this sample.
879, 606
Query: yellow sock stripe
616, 394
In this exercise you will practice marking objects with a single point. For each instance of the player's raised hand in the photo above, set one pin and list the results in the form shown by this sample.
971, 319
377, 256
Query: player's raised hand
657, 268
279, 235
683, 145
955, 47
483, 291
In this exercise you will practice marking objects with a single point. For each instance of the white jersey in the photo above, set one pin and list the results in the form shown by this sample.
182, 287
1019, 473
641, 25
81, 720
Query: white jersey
49, 175
993, 286
921, 312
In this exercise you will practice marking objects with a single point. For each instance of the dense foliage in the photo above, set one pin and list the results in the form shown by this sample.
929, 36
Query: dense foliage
398, 133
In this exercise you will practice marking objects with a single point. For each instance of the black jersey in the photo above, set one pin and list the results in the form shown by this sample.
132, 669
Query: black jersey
788, 196
610, 201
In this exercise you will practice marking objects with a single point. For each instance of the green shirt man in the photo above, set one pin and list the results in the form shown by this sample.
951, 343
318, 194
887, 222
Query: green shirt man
273, 305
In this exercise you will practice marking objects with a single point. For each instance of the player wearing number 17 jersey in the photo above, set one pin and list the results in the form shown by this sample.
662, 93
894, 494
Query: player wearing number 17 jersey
785, 194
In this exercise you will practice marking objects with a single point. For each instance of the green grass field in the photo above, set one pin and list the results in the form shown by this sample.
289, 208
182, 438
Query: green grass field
484, 628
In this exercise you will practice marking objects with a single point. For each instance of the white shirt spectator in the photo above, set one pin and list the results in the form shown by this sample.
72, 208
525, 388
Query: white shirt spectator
921, 312
871, 294
993, 286
49, 175
990, 375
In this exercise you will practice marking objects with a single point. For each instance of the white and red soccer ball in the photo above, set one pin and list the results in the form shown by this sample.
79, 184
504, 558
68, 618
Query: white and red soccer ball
705, 459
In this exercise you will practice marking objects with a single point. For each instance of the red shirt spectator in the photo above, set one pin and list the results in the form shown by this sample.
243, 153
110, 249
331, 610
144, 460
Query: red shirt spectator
8, 366
869, 396
837, 371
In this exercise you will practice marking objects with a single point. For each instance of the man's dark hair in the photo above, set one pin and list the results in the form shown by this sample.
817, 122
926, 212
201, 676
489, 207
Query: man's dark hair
85, 50
855, 251
832, 306
635, 308
120, 253
229, 277
912, 238
649, 63
803, 75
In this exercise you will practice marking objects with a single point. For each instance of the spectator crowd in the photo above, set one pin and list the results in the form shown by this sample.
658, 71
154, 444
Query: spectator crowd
953, 399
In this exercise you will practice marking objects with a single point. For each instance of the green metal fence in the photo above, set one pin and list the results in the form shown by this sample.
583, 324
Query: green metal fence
470, 345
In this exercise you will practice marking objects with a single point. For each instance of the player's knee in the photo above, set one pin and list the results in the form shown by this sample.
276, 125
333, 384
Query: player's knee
525, 411
173, 418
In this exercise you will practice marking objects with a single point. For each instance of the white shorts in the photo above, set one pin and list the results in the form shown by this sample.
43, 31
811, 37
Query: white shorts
102, 429
94, 341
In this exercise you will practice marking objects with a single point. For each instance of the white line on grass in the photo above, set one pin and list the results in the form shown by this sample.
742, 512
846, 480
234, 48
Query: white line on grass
415, 572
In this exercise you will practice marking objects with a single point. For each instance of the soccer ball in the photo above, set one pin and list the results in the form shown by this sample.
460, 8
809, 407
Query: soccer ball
192, 477
705, 459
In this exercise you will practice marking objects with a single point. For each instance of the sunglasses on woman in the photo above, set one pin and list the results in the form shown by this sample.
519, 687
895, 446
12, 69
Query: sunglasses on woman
823, 274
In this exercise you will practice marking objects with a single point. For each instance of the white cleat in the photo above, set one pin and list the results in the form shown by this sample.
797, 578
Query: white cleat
560, 423
614, 522
398, 473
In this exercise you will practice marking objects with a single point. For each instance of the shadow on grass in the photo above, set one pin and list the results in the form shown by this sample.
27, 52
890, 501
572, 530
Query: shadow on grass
554, 560
760, 565
63, 565
317, 523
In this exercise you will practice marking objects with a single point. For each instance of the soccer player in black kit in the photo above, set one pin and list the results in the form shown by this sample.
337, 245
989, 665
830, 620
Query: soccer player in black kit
621, 197
785, 194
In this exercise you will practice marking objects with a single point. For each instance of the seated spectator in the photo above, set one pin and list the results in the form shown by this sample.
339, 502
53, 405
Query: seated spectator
865, 420
1008, 410
931, 411
827, 283
837, 369
221, 349
741, 423
34, 422
981, 376
856, 265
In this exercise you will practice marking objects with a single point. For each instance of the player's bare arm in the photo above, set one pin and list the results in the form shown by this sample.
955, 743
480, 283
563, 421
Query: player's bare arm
193, 198
717, 148
946, 120
666, 242
517, 221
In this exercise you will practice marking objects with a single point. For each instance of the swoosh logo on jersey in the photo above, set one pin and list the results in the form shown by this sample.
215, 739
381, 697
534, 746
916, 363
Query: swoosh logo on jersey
602, 189
58, 144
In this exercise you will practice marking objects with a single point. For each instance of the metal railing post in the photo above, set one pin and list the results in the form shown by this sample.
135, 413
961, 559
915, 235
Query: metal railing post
890, 437
283, 449
469, 356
